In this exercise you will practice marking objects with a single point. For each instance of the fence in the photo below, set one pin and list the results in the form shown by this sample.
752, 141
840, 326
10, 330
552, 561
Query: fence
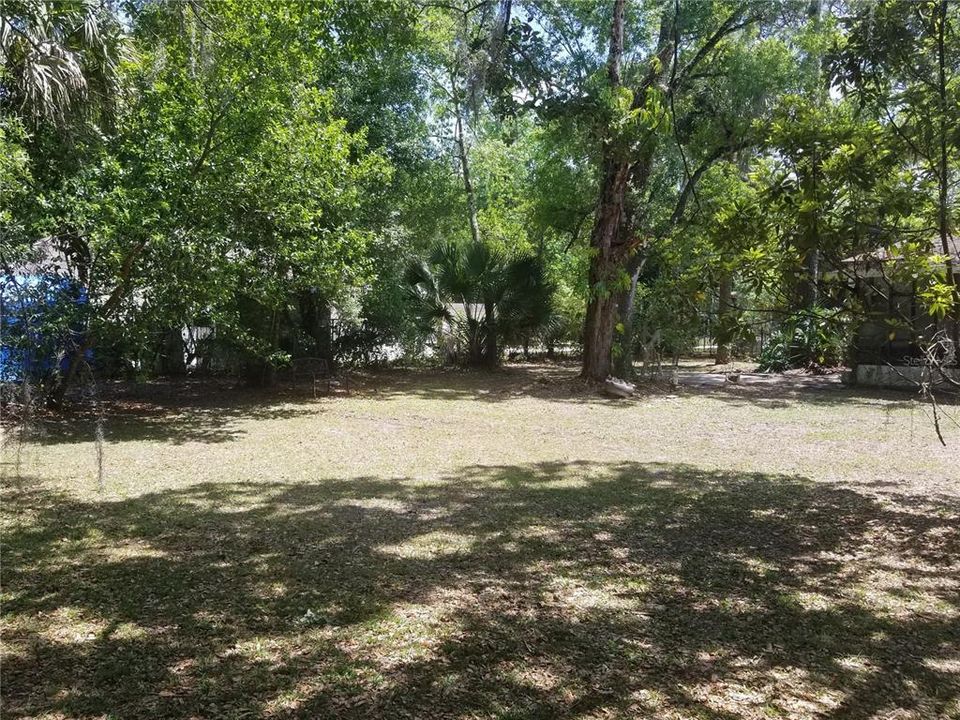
748, 342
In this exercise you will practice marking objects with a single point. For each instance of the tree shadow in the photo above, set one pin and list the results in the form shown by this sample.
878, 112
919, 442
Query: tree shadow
787, 397
559, 382
181, 411
543, 591
783, 392
178, 411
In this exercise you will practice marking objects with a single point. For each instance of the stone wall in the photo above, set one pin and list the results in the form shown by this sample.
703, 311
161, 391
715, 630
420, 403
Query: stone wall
905, 376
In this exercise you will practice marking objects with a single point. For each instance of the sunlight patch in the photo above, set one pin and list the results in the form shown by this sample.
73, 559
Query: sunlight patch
270, 590
810, 601
266, 650
375, 503
128, 550
408, 633
538, 532
549, 481
68, 626
128, 631
595, 596
886, 593
615, 517
949, 666
857, 664
645, 699
431, 545
578, 481
756, 565
778, 692
663, 484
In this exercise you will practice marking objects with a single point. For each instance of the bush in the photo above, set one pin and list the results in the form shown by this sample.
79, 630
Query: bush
775, 354
815, 340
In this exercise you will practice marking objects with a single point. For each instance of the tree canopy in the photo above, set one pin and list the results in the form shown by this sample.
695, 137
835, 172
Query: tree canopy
608, 175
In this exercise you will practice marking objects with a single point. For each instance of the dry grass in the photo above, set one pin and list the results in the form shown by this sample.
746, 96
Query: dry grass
451, 545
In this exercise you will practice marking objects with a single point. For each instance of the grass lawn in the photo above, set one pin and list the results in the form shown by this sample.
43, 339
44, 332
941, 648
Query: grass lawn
451, 545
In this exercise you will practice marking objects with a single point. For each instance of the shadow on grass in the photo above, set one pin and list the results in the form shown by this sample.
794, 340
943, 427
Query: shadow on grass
559, 383
177, 411
781, 398
548, 591
191, 411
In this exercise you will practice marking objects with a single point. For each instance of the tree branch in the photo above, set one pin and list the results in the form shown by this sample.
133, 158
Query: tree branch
728, 27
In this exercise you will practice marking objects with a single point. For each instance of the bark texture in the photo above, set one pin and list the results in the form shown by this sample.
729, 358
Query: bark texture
612, 238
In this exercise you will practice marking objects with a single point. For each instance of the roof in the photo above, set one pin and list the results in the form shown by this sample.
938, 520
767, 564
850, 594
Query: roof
893, 253
45, 258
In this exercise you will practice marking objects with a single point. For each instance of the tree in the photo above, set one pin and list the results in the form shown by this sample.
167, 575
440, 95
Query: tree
484, 296
61, 57
226, 186
902, 60
661, 99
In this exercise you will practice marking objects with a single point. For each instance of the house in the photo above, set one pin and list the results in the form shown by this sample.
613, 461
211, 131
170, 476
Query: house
896, 325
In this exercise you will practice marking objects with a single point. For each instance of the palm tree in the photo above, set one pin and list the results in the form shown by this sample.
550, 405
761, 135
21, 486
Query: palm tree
484, 296
59, 56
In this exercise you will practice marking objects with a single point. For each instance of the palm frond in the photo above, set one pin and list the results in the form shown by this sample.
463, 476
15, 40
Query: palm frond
55, 51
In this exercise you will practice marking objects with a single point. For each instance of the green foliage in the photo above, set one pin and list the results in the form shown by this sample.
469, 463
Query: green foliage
901, 61
61, 59
816, 339
476, 299
670, 303
15, 179
254, 167
229, 185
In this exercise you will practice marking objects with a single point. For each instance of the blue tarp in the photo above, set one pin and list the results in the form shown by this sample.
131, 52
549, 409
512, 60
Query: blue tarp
30, 344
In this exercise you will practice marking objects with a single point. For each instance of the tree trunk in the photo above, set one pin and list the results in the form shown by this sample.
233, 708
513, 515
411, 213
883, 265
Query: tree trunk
604, 270
116, 296
809, 289
598, 338
486, 352
810, 284
624, 364
493, 349
725, 293
604, 267
65, 380
462, 151
476, 346
611, 240
943, 178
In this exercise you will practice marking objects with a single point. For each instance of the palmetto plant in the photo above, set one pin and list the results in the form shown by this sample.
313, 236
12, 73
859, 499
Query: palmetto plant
59, 56
481, 297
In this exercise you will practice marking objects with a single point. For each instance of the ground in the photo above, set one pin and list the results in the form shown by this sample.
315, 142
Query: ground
458, 545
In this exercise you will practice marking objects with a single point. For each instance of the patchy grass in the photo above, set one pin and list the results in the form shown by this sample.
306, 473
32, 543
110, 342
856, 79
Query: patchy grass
450, 545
